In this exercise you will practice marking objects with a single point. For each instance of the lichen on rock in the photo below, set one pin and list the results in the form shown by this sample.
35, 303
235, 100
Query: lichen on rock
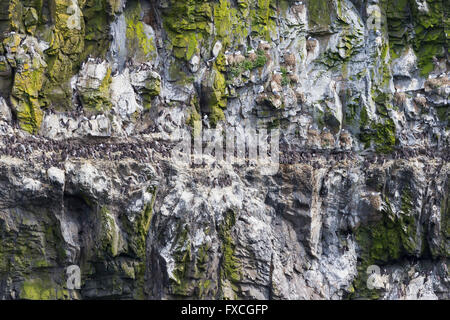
351, 96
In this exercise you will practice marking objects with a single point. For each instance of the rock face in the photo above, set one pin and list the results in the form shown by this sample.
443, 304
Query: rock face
96, 94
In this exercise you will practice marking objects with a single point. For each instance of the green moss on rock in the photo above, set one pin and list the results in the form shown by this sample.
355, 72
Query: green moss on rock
29, 77
25, 97
320, 13
230, 24
182, 255
97, 99
109, 233
387, 240
215, 94
98, 14
137, 230
39, 289
229, 268
195, 122
423, 29
187, 23
140, 42
380, 135
263, 14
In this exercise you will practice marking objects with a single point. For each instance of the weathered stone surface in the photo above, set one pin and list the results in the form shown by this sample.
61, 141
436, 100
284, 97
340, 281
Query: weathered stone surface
94, 95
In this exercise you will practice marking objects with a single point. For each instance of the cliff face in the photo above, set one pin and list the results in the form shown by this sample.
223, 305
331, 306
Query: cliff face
95, 94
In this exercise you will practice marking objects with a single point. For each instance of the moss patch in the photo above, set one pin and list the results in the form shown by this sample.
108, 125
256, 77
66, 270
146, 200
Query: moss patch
139, 42
388, 240
381, 135
423, 29
229, 267
187, 23
182, 255
38, 289
263, 14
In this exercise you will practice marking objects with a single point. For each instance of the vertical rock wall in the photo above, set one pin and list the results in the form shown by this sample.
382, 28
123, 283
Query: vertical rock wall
95, 94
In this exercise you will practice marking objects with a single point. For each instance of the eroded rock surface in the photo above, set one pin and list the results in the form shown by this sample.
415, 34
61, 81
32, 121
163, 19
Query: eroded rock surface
96, 94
